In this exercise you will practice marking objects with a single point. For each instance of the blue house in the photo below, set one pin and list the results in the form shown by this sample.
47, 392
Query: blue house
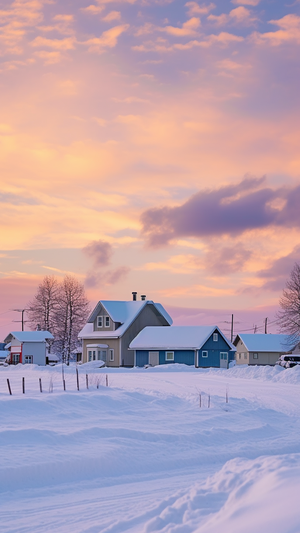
202, 346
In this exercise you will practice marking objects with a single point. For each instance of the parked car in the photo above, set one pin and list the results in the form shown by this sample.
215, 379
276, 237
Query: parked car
288, 361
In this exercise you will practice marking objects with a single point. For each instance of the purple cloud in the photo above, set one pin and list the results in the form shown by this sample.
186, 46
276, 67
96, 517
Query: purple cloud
277, 275
227, 260
99, 251
230, 210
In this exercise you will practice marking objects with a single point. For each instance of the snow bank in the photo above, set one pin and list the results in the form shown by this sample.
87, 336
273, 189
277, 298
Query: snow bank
244, 496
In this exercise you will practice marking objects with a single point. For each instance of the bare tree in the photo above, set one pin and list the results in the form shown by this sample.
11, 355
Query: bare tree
70, 316
43, 307
289, 314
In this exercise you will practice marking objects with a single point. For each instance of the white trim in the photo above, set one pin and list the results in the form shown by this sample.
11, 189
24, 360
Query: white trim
215, 337
101, 317
169, 351
204, 356
111, 353
223, 358
105, 318
134, 358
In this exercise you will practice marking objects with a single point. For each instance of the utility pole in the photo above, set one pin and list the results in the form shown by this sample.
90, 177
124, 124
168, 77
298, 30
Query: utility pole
255, 328
22, 311
231, 336
266, 325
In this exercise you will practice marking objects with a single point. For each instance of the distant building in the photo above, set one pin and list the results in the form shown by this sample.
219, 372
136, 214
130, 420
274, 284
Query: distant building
260, 349
202, 346
28, 347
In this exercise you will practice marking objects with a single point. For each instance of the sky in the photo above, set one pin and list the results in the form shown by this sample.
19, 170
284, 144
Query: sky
151, 146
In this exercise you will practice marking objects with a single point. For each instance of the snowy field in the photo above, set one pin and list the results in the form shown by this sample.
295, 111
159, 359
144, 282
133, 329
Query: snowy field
140, 455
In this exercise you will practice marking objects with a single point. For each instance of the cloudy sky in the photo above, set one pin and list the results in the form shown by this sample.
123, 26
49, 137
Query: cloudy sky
151, 145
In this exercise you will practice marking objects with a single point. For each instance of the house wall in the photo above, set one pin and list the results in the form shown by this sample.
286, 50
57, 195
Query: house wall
113, 344
214, 349
264, 358
37, 350
147, 317
242, 354
186, 357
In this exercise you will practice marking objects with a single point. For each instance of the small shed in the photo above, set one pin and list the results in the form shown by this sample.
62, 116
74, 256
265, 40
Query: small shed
202, 346
260, 348
28, 347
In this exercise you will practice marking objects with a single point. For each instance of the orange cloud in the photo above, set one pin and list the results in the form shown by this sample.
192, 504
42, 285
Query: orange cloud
112, 15
108, 39
56, 44
188, 28
289, 31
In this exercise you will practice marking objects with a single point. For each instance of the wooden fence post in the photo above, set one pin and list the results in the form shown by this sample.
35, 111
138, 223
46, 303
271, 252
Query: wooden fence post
87, 380
8, 384
106, 380
23, 385
40, 380
77, 376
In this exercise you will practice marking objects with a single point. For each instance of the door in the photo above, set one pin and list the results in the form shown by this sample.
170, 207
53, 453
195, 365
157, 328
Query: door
153, 358
15, 358
223, 359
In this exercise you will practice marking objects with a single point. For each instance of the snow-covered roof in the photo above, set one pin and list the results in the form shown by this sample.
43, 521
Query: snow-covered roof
97, 346
3, 354
30, 336
259, 342
124, 313
52, 357
175, 337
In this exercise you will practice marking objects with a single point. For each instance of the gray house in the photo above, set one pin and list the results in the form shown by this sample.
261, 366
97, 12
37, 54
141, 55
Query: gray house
28, 347
113, 325
259, 349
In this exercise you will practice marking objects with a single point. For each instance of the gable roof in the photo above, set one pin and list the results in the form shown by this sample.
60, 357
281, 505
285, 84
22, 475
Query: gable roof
175, 337
123, 312
260, 342
29, 336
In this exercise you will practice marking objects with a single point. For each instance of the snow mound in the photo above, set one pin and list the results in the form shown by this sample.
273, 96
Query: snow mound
244, 496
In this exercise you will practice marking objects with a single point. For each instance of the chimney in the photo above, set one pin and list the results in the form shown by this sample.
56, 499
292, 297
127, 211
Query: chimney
143, 297
134, 296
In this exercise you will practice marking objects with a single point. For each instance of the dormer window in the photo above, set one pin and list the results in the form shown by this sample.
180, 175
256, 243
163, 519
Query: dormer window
99, 321
107, 321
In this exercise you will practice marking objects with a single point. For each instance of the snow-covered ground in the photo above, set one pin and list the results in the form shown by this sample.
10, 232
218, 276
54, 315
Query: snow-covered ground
141, 456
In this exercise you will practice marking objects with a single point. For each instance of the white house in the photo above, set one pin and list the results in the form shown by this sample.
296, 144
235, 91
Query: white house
28, 347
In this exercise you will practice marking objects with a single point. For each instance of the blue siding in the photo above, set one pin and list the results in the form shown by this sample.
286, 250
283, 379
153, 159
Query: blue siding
186, 357
142, 358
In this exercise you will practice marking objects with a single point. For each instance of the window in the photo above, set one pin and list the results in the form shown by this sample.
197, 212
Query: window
169, 356
204, 353
245, 356
107, 322
92, 355
111, 355
240, 355
101, 355
99, 321
255, 356
224, 355
15, 358
215, 337
28, 359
